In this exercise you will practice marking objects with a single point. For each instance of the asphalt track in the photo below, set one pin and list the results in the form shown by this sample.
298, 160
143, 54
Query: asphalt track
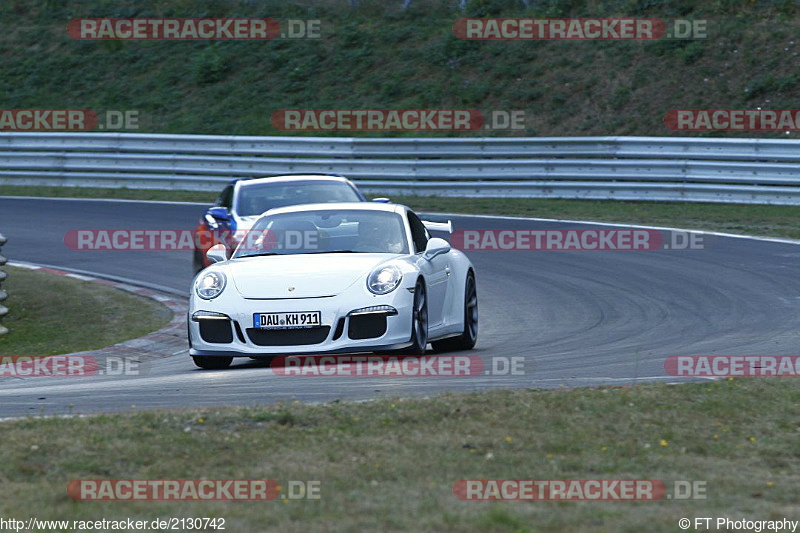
577, 318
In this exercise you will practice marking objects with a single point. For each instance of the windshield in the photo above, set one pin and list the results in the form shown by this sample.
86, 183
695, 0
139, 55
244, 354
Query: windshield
255, 199
318, 232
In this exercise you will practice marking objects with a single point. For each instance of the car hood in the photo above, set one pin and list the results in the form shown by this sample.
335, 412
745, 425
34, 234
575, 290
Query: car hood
308, 276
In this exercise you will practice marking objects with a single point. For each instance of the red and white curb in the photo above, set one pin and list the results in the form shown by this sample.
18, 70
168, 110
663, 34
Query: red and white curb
166, 342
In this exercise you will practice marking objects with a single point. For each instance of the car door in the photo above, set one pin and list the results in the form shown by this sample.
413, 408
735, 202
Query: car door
436, 271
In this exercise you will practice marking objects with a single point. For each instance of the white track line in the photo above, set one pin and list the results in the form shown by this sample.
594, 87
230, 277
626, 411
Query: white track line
621, 225
493, 217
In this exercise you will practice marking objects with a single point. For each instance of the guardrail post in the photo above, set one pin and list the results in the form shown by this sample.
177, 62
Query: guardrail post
3, 294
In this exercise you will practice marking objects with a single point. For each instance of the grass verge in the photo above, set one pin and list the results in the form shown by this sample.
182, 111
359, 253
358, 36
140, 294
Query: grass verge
391, 464
764, 220
51, 314
373, 54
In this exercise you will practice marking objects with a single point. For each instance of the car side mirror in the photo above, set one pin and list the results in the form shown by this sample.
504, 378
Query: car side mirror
436, 246
217, 253
220, 213
381, 200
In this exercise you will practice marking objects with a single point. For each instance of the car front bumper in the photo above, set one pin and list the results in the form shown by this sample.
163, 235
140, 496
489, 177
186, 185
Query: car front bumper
342, 330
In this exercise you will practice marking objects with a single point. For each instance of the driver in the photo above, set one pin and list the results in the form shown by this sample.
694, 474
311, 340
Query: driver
380, 234
255, 205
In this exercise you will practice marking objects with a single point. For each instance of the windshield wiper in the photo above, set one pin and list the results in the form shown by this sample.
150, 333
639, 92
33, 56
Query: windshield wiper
335, 252
262, 254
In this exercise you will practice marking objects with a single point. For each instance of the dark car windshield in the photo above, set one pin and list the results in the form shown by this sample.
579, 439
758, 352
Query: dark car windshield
326, 231
255, 199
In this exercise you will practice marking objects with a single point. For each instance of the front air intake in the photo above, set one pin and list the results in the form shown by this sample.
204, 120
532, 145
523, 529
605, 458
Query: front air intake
216, 331
288, 337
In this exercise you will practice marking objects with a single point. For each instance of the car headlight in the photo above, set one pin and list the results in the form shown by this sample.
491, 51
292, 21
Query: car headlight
210, 285
384, 280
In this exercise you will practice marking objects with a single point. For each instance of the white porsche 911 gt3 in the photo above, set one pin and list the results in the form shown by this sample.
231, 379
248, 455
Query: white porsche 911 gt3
333, 278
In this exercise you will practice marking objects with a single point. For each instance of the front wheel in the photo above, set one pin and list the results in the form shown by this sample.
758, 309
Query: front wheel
468, 337
212, 362
419, 322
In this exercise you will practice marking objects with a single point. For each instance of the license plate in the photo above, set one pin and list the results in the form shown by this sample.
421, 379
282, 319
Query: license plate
302, 319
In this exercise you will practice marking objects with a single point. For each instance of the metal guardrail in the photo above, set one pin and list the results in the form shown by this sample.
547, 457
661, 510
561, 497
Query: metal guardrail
3, 294
629, 168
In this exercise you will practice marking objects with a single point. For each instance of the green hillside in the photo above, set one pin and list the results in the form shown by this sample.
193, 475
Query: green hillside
377, 55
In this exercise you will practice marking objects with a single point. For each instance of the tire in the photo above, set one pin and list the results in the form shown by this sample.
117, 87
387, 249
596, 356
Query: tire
419, 322
212, 362
468, 337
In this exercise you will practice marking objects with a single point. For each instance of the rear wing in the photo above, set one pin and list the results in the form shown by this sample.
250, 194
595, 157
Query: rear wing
439, 226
